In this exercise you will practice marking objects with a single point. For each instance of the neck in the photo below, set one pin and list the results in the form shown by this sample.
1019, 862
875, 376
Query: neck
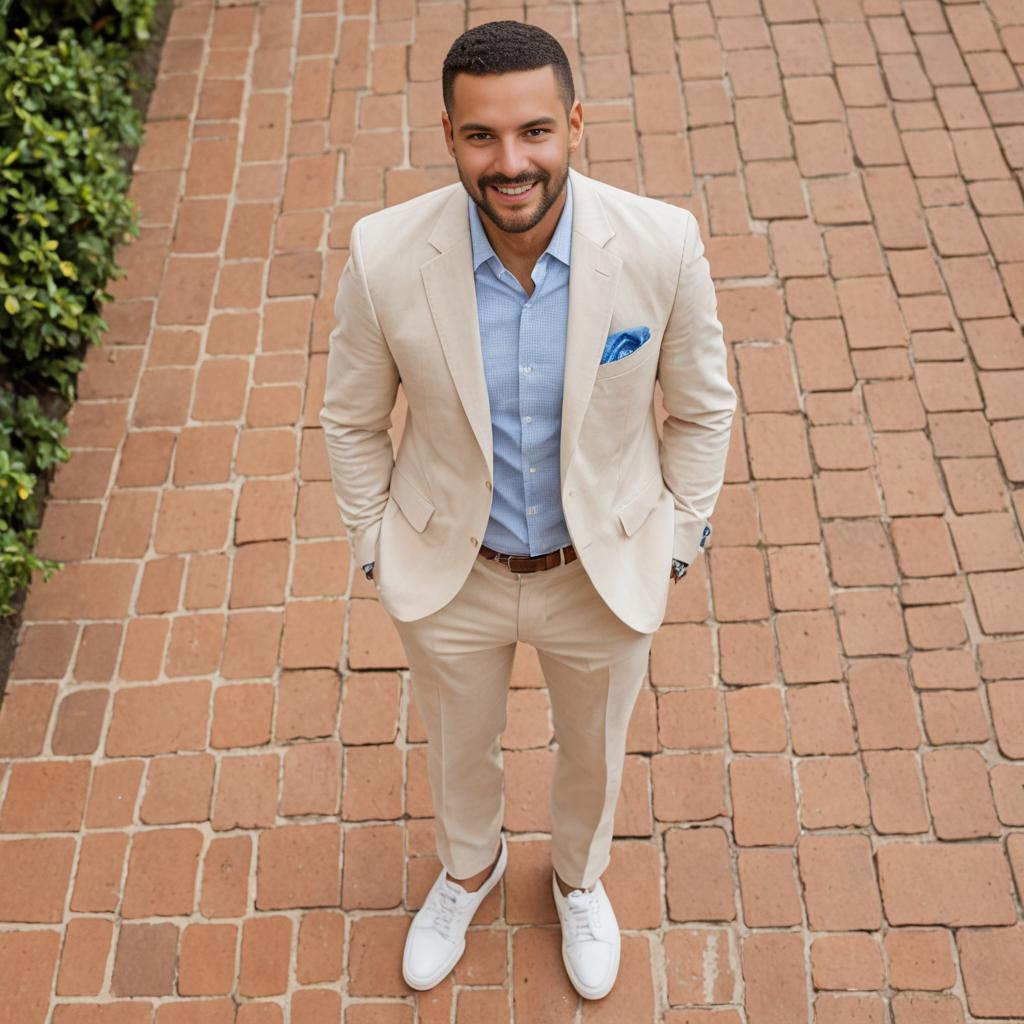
525, 247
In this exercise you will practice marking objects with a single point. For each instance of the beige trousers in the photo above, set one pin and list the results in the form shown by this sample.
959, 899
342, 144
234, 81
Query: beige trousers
460, 659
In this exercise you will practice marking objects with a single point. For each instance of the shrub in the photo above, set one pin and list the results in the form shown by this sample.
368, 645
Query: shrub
127, 21
66, 120
64, 116
30, 444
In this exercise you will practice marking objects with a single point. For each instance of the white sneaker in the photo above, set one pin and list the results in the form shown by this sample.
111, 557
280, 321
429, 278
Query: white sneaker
590, 939
437, 935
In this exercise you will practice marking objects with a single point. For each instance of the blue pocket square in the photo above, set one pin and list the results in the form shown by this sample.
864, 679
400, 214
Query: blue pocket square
624, 343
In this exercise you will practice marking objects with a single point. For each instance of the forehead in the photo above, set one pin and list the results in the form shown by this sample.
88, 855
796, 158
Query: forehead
506, 100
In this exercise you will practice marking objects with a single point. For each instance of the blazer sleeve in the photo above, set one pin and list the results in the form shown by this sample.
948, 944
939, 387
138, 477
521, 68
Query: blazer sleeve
362, 382
698, 398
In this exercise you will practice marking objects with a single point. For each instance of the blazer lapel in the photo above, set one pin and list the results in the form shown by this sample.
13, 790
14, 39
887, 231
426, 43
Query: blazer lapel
451, 294
593, 279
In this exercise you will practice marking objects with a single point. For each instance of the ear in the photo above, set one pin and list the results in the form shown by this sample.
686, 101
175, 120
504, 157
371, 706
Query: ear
449, 135
575, 126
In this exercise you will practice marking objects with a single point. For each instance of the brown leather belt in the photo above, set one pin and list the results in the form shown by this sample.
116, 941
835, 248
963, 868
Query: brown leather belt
530, 563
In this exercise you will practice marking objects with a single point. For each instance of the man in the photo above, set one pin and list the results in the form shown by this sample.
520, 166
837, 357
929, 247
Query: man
528, 313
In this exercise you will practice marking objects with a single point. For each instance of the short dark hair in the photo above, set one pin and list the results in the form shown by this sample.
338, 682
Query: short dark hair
498, 47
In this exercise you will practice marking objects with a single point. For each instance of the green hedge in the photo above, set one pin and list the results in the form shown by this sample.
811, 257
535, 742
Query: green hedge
66, 119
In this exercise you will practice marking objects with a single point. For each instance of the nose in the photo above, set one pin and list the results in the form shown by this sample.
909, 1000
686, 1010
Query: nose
510, 160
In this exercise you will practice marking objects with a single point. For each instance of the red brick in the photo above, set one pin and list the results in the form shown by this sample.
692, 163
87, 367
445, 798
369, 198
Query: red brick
374, 865
246, 792
699, 880
193, 520
370, 708
79, 722
225, 884
45, 797
839, 883
299, 866
251, 649
756, 720
98, 881
763, 800
24, 718
266, 511
688, 787
195, 645
998, 597
989, 960
883, 703
819, 720
949, 883
540, 990
808, 646
84, 958
768, 888
920, 958
699, 966
178, 789
207, 964
775, 976
312, 779
145, 960
959, 794
691, 719
307, 705
849, 961
832, 793
159, 719
161, 873
266, 951
1006, 699
321, 947
870, 622
375, 956
36, 873
681, 656
242, 715
895, 792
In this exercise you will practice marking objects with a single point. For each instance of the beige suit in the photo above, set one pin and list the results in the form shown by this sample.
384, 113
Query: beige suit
406, 311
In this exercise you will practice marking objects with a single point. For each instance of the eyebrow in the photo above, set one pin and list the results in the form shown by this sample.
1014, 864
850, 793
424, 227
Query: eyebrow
539, 122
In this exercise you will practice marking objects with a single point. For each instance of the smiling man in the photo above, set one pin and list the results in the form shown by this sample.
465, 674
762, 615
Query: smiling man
528, 314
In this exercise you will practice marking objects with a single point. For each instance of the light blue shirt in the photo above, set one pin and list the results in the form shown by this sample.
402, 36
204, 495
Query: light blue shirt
523, 341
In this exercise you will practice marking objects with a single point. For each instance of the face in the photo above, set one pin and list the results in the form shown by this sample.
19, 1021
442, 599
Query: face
511, 140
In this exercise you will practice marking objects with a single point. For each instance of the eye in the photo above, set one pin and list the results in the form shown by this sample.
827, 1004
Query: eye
536, 133
478, 136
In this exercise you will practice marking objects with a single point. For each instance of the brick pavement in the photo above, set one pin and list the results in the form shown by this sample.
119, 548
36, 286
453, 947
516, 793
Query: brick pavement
825, 774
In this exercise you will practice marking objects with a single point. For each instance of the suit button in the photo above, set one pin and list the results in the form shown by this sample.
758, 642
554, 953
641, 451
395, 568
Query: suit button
473, 541
487, 484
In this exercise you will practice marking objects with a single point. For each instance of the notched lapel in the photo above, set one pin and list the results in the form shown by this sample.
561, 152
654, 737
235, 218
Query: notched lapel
593, 280
451, 294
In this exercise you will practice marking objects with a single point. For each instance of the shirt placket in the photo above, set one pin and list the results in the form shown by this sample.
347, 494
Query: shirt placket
529, 384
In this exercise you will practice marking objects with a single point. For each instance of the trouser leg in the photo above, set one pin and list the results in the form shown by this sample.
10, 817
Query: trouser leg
460, 661
594, 666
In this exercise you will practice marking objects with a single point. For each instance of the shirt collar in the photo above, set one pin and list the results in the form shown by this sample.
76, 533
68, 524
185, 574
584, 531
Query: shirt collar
559, 246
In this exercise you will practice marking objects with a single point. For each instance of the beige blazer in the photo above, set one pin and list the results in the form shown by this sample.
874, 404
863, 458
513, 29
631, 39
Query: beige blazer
406, 311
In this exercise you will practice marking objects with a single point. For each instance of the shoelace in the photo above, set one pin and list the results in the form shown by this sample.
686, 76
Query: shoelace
444, 914
583, 915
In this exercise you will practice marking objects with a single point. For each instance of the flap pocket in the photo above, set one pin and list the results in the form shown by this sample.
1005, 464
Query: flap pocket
414, 506
633, 514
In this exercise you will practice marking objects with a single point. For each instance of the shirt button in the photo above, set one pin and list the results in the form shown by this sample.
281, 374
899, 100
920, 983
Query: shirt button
527, 369
527, 419
533, 469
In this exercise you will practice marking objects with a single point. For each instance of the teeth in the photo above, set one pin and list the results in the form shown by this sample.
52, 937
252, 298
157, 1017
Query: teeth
518, 191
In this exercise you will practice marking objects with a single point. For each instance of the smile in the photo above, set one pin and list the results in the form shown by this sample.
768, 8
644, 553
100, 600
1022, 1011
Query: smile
514, 190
